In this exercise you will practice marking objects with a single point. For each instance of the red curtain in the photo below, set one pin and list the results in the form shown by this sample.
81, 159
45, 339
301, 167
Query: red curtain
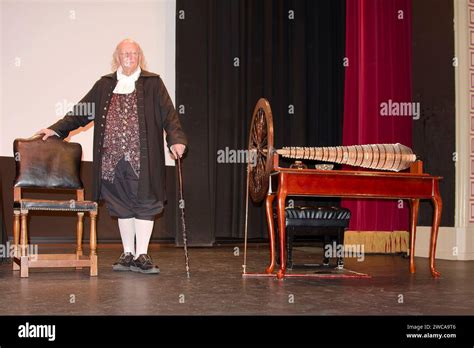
378, 53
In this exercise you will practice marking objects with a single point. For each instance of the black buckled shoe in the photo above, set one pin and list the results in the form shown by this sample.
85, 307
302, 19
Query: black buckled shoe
123, 263
144, 264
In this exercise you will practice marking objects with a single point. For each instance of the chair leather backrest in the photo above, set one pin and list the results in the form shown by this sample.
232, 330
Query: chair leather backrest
50, 163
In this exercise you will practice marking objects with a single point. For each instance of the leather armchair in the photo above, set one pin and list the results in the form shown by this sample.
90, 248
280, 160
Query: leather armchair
50, 164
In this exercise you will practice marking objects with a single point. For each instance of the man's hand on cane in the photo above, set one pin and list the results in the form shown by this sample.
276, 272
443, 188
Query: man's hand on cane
177, 150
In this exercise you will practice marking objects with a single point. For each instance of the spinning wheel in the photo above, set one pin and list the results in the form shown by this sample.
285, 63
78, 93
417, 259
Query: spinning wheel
260, 150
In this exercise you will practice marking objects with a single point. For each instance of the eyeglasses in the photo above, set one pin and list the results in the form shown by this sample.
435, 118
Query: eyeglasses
125, 54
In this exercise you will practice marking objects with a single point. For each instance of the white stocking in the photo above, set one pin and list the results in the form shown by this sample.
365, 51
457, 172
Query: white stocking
127, 232
143, 229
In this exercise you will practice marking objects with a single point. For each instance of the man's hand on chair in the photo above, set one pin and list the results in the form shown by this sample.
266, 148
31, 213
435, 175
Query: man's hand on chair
47, 133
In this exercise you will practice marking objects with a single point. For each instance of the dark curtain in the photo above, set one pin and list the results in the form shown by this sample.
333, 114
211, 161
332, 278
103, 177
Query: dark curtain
229, 54
434, 134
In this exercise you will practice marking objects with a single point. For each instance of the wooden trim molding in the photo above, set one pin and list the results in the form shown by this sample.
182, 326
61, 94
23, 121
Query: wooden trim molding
461, 245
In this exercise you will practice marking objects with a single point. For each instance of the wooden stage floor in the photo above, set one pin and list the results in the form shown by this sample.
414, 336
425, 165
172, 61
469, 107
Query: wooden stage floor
216, 287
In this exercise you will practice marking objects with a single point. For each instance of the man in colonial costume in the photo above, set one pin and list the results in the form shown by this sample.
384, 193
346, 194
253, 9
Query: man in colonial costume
130, 109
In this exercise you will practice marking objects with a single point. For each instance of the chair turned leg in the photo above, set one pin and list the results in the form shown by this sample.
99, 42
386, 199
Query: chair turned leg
79, 232
325, 244
93, 245
24, 272
16, 238
24, 245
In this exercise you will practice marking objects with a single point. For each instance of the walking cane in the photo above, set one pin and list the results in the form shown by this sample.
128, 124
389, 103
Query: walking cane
183, 223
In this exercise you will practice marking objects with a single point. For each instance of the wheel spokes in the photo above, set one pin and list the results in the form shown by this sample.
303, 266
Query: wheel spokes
260, 145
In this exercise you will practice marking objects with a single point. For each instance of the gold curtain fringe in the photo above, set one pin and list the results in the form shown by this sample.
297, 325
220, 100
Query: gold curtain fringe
379, 241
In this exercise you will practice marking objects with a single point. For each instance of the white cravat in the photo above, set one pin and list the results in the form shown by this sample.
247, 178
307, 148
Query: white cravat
126, 84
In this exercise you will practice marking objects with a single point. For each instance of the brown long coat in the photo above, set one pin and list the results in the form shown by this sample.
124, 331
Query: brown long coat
155, 113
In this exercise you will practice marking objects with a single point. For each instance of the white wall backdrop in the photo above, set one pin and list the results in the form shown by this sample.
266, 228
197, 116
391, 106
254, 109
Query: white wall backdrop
52, 52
